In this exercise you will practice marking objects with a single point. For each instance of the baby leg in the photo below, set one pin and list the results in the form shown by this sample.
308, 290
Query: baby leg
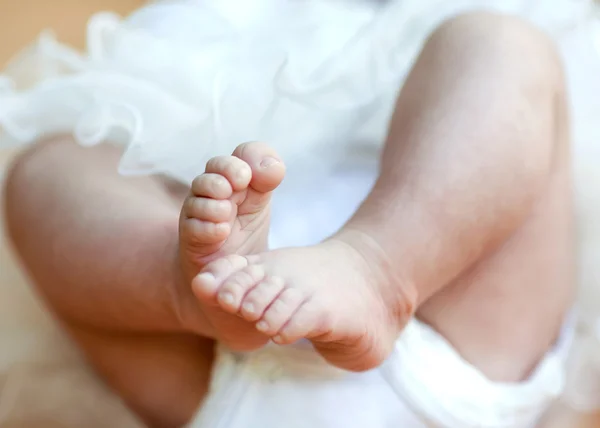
110, 255
71, 218
504, 312
472, 202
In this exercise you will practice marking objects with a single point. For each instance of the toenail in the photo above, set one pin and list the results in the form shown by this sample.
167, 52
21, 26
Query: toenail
248, 307
226, 298
267, 162
278, 339
262, 326
206, 280
205, 283
243, 173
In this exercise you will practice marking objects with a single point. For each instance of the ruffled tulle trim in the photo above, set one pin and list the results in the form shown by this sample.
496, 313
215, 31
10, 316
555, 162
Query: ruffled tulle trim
176, 98
174, 107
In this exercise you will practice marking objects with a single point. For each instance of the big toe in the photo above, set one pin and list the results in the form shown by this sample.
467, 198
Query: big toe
267, 167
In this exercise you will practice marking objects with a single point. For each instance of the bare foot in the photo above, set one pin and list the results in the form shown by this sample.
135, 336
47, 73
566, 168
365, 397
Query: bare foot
332, 293
227, 212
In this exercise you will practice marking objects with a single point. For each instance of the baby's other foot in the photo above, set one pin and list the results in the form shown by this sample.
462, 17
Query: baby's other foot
227, 212
337, 296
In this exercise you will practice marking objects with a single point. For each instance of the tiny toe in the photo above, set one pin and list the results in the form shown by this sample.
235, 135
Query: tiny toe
234, 288
307, 322
280, 311
267, 167
211, 186
198, 234
211, 210
260, 297
207, 283
204, 285
234, 169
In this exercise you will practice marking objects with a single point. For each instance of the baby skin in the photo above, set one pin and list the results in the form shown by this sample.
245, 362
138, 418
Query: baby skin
226, 212
333, 294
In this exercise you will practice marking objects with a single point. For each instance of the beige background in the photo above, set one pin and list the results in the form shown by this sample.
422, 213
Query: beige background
67, 18
77, 399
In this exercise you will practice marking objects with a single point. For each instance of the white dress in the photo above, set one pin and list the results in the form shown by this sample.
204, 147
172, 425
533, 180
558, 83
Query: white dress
181, 81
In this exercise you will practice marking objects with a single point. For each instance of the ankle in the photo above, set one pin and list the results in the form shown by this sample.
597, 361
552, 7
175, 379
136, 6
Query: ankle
398, 289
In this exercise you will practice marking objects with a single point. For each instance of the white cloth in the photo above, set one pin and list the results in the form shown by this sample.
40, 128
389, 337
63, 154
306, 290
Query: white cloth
181, 81
424, 384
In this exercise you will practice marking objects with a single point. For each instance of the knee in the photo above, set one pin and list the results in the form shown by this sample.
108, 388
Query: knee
15, 183
504, 43
22, 176
13, 192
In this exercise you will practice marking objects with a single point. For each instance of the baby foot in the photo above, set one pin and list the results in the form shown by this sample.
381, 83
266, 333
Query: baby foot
333, 294
227, 212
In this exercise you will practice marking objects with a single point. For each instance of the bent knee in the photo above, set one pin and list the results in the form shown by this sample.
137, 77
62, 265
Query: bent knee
24, 171
29, 181
505, 42
14, 187
46, 165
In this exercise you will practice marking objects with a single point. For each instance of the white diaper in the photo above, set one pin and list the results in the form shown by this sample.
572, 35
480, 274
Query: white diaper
425, 383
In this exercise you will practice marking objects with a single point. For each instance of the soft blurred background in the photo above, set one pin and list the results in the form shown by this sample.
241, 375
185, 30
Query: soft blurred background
43, 381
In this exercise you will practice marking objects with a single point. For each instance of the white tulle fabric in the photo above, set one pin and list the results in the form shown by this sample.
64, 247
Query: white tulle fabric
181, 81
176, 95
